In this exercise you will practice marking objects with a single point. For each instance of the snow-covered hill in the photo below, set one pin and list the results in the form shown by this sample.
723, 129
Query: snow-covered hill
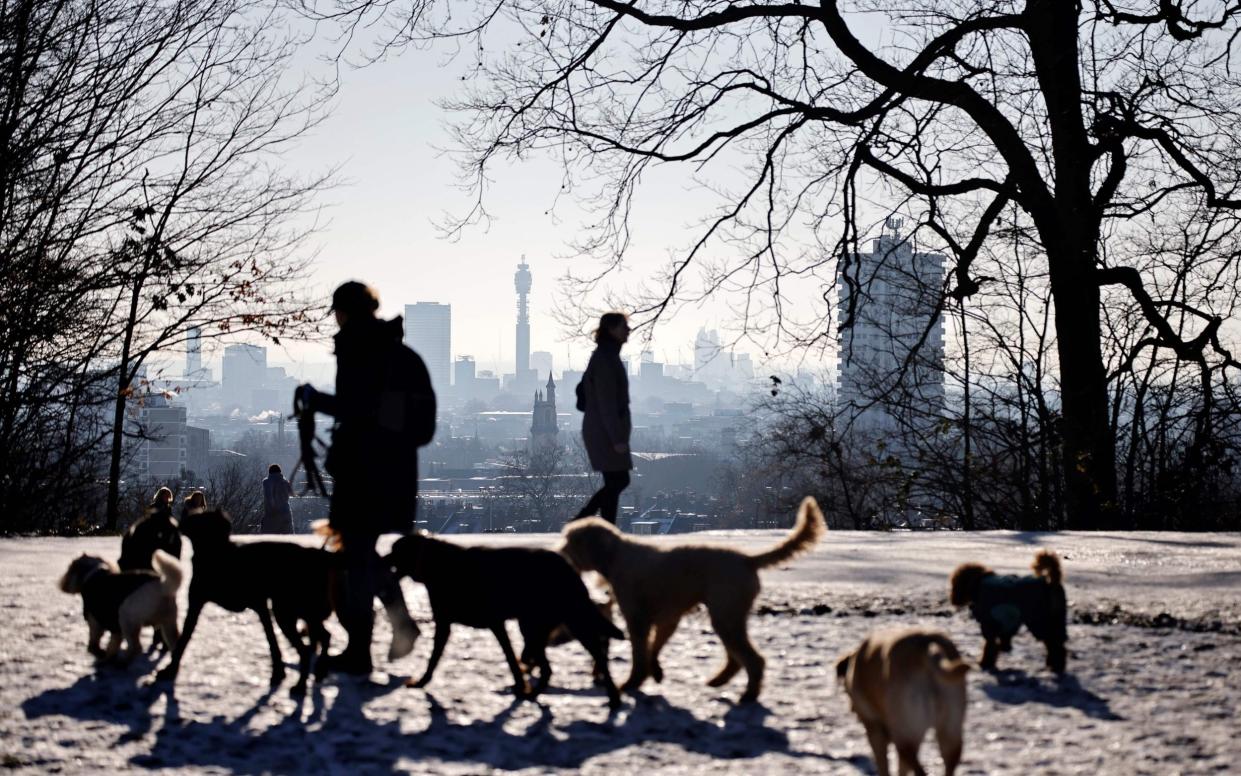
1154, 664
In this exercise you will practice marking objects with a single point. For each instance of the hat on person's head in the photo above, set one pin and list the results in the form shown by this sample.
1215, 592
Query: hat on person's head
355, 299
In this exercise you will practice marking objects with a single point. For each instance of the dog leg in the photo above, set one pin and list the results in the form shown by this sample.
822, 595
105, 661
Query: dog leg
878, 738
277, 659
521, 688
907, 758
663, 632
990, 651
727, 671
288, 626
737, 642
114, 645
639, 640
169, 672
1057, 657
597, 646
92, 638
949, 738
442, 629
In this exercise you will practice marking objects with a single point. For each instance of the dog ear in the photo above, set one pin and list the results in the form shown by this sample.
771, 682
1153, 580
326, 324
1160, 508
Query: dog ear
842, 666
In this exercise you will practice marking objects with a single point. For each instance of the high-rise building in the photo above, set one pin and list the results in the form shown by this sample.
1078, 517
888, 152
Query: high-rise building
894, 311
163, 452
244, 371
522, 280
428, 330
194, 353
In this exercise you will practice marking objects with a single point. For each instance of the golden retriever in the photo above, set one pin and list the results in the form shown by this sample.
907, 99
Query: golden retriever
903, 682
655, 586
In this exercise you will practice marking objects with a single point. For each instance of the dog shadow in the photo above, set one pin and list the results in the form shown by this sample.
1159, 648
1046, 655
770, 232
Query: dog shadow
314, 735
1016, 687
108, 694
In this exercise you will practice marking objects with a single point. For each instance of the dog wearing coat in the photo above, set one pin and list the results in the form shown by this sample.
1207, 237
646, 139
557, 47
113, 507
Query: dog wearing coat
121, 603
902, 683
1001, 604
655, 586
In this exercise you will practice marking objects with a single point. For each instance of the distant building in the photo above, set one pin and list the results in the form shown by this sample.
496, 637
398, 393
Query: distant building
428, 330
541, 363
164, 450
194, 370
522, 281
544, 428
897, 290
244, 370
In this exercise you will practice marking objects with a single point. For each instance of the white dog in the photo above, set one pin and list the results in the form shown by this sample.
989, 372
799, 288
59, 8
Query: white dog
121, 603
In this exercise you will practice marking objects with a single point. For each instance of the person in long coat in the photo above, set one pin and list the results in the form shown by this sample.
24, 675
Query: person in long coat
603, 397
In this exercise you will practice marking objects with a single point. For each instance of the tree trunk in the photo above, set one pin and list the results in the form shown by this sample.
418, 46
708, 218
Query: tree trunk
1089, 450
124, 377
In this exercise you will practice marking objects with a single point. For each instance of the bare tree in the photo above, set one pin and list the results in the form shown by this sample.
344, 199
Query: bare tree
1083, 116
140, 196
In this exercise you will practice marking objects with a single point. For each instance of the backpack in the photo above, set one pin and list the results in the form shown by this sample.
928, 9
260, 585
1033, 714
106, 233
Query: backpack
407, 401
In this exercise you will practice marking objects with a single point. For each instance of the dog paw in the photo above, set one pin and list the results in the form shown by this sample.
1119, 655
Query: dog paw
630, 687
657, 673
748, 697
419, 683
298, 690
167, 674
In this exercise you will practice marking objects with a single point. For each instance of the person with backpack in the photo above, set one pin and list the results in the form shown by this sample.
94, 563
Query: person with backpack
603, 397
384, 408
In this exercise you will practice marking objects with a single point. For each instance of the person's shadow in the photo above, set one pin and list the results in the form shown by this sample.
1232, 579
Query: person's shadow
1016, 687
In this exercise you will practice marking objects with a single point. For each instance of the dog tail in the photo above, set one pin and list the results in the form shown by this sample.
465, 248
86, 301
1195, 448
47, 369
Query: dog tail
947, 665
1047, 565
332, 539
808, 529
169, 571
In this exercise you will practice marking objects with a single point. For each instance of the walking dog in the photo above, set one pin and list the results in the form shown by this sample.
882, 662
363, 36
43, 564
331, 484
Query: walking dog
296, 580
902, 683
1003, 603
482, 587
655, 586
120, 603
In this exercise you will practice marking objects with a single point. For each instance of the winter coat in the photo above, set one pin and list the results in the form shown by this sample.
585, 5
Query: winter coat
606, 421
375, 469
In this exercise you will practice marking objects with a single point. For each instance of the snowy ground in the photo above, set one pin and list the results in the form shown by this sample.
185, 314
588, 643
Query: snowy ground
1154, 664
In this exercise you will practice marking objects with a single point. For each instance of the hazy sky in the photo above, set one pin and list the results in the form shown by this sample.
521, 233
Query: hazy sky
387, 136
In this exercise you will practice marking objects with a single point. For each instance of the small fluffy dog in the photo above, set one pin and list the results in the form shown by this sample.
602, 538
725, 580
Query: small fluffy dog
120, 603
296, 580
655, 586
482, 587
902, 683
1003, 603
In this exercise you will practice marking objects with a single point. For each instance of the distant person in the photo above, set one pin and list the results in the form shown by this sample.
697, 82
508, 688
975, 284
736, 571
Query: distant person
603, 395
277, 517
385, 409
195, 502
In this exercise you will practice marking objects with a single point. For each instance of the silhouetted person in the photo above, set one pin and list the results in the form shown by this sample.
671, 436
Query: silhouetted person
277, 517
385, 409
195, 502
603, 395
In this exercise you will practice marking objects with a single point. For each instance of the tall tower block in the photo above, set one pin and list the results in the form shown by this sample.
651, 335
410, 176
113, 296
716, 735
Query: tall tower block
522, 280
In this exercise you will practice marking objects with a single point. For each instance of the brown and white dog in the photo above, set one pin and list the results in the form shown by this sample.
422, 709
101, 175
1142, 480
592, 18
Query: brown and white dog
655, 586
120, 603
903, 682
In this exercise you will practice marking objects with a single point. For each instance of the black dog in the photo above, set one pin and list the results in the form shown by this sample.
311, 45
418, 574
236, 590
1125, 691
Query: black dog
482, 587
157, 530
296, 580
1002, 604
